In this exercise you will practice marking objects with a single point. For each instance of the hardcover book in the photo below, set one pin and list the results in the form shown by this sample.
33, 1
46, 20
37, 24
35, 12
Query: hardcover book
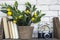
10, 29
13, 31
16, 31
5, 27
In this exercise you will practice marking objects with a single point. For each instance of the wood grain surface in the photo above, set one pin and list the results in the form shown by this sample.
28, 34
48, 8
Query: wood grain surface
32, 39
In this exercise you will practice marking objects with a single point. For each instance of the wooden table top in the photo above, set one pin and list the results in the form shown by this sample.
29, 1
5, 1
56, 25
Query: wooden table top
31, 39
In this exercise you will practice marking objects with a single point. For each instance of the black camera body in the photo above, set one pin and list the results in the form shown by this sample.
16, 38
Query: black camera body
44, 35
44, 31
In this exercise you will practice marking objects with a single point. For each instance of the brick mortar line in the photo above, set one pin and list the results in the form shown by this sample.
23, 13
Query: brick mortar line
50, 10
54, 4
49, 4
7, 0
53, 10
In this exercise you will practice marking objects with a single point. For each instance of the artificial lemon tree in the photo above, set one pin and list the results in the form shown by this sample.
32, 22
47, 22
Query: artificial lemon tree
25, 17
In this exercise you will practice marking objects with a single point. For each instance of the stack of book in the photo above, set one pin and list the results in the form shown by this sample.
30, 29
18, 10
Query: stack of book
10, 30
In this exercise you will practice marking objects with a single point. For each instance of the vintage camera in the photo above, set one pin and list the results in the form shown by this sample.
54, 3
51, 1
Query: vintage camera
44, 31
44, 35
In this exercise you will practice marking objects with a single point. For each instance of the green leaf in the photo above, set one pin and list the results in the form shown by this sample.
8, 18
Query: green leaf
4, 11
28, 4
34, 8
42, 15
9, 6
27, 8
38, 12
3, 7
16, 4
6, 4
19, 12
37, 20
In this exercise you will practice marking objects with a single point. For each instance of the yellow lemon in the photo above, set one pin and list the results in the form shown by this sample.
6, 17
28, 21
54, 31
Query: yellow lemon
8, 9
35, 14
14, 21
20, 16
9, 13
33, 19
27, 11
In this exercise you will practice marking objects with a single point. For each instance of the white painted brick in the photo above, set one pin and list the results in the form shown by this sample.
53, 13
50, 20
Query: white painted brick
8, 2
46, 1
51, 19
58, 1
51, 13
21, 7
2, 14
50, 26
42, 7
54, 7
59, 13
19, 1
24, 1
45, 19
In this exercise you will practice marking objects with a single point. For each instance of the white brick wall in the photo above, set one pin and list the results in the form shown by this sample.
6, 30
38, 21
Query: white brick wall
50, 13
24, 1
21, 7
54, 7
58, 1
50, 7
45, 19
59, 13
46, 1
42, 7
8, 2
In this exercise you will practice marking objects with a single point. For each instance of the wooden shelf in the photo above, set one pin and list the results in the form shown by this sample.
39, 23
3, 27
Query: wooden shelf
31, 39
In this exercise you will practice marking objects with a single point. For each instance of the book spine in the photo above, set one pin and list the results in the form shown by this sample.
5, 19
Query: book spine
16, 31
13, 31
5, 27
10, 29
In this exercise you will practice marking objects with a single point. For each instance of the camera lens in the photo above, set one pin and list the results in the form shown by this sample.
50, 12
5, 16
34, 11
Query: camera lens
47, 36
